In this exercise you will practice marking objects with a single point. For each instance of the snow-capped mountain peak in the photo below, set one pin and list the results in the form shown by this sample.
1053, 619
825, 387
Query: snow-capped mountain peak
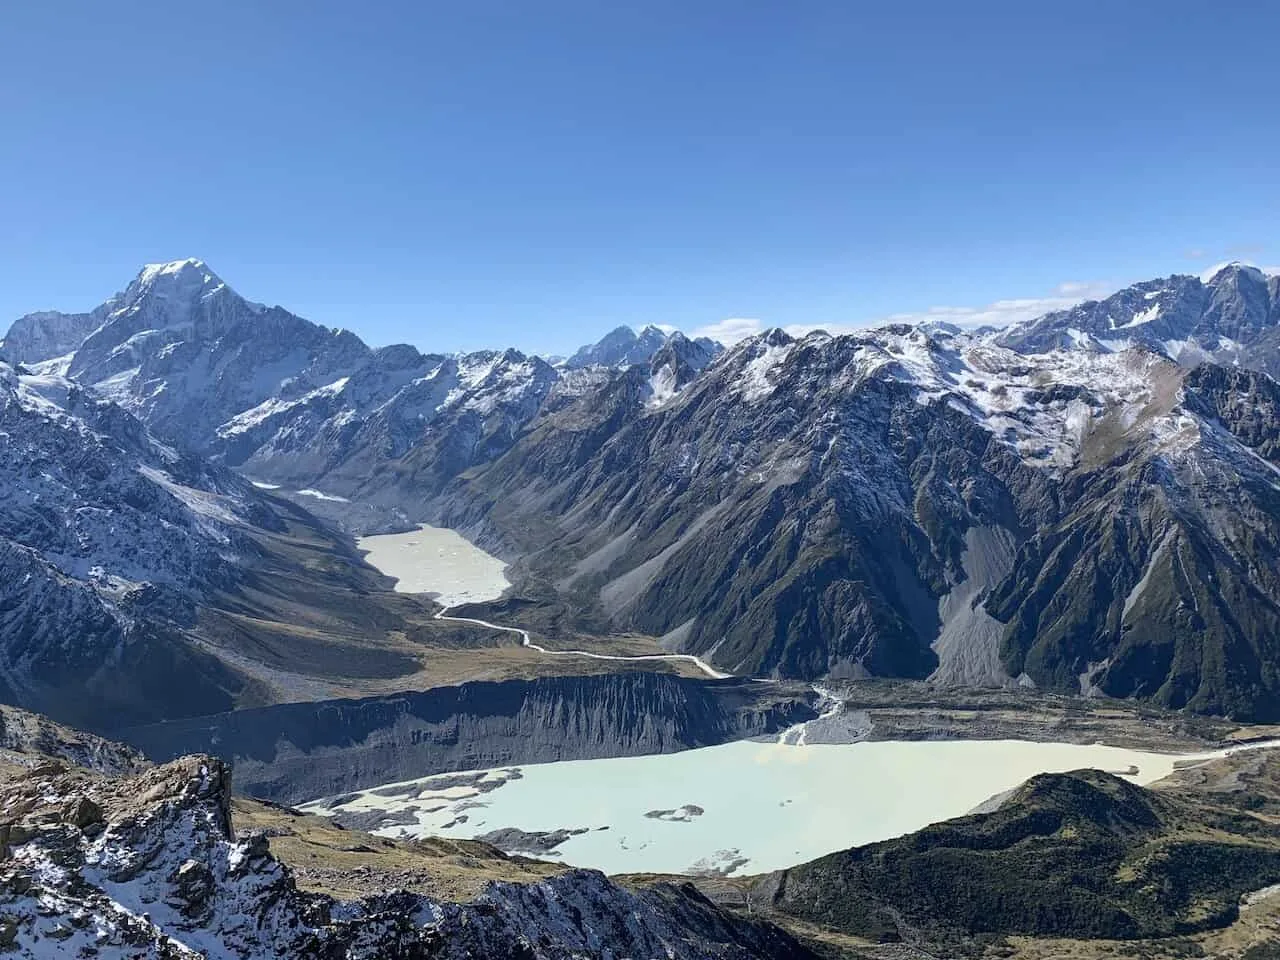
188, 267
622, 347
169, 291
1230, 314
164, 292
1232, 267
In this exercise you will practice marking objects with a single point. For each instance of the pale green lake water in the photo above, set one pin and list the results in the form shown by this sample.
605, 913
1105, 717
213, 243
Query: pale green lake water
773, 804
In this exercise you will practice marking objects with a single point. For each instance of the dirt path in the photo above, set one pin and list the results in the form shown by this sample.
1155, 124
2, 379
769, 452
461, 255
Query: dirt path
527, 641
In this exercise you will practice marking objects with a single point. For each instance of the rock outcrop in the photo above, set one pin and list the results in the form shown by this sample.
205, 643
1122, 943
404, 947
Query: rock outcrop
151, 866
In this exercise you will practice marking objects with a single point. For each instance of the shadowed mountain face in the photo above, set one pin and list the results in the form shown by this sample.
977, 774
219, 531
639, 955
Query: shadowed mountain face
900, 503
798, 528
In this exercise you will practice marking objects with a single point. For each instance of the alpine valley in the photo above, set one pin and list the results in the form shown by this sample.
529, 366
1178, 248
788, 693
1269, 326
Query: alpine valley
1061, 533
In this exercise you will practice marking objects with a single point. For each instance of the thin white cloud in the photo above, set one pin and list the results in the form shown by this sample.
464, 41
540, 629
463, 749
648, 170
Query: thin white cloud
1001, 313
730, 331
1086, 289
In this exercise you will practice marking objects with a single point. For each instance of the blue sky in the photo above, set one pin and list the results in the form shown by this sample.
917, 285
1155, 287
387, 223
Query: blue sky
488, 173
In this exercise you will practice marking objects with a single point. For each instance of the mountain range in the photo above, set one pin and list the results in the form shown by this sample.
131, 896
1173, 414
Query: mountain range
1088, 502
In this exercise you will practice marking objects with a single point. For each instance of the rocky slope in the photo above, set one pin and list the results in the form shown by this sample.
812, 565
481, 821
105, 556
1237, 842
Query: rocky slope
926, 503
151, 865
1156, 578
106, 538
139, 581
909, 503
296, 752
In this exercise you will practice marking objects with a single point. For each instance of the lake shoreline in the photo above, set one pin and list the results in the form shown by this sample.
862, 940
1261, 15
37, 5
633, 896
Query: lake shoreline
761, 806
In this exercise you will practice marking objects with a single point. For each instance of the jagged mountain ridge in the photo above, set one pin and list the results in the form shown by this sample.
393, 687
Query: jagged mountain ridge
48, 334
623, 347
208, 370
302, 405
1223, 317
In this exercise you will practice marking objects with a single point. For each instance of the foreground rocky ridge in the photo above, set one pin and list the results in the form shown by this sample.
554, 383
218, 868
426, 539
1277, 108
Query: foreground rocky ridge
151, 866
160, 861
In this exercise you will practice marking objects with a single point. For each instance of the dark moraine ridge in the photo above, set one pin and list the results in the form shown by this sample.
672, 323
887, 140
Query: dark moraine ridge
299, 751
1083, 855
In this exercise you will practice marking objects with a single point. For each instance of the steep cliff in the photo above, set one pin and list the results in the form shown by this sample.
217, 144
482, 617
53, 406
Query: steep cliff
298, 751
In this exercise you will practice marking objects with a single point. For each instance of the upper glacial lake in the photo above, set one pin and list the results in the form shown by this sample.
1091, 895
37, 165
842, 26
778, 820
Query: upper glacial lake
437, 561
